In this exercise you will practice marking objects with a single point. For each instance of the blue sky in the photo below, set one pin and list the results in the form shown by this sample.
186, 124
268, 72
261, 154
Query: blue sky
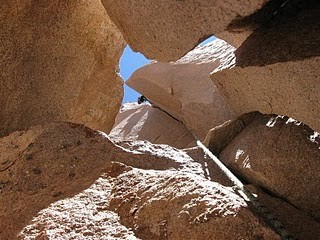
130, 61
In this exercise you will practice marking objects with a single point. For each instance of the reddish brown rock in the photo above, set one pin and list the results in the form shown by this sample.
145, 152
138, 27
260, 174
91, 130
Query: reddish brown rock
166, 30
58, 62
144, 122
277, 70
298, 223
184, 89
281, 156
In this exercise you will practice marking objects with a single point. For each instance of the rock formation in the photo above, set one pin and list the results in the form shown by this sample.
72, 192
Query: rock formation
279, 155
56, 161
166, 30
277, 70
63, 180
58, 61
144, 122
175, 87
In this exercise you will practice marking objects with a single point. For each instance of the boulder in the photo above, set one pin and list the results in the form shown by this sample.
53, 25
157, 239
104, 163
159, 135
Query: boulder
280, 155
172, 205
64, 180
219, 137
184, 89
144, 122
58, 62
297, 222
277, 70
166, 30
83, 216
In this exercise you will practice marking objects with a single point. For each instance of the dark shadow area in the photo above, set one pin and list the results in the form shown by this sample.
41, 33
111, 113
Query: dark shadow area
292, 34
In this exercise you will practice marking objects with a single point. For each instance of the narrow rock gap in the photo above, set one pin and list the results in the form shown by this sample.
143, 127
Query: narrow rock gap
130, 61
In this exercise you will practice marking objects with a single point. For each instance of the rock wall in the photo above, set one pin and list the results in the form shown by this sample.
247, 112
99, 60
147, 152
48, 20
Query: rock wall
184, 89
64, 161
280, 155
166, 30
277, 70
58, 61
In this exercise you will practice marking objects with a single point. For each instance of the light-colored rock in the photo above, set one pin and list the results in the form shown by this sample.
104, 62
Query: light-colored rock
184, 88
51, 187
166, 30
84, 216
280, 155
58, 62
171, 205
46, 163
277, 71
144, 122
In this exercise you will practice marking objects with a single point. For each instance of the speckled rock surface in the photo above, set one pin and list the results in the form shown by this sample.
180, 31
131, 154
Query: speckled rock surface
184, 89
144, 122
83, 216
166, 30
62, 181
58, 61
282, 156
171, 205
277, 70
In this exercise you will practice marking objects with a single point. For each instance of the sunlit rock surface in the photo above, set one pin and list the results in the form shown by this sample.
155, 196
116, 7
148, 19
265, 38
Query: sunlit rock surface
184, 88
66, 180
168, 204
58, 62
144, 122
282, 156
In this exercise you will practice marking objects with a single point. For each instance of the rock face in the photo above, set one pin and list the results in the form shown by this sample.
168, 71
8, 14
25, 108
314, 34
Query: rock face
297, 222
169, 205
166, 30
281, 156
184, 89
219, 137
143, 122
58, 62
83, 216
277, 70
64, 161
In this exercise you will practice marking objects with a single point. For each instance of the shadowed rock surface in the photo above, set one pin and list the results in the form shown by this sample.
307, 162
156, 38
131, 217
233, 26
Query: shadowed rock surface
166, 30
297, 222
277, 70
219, 137
58, 61
280, 155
